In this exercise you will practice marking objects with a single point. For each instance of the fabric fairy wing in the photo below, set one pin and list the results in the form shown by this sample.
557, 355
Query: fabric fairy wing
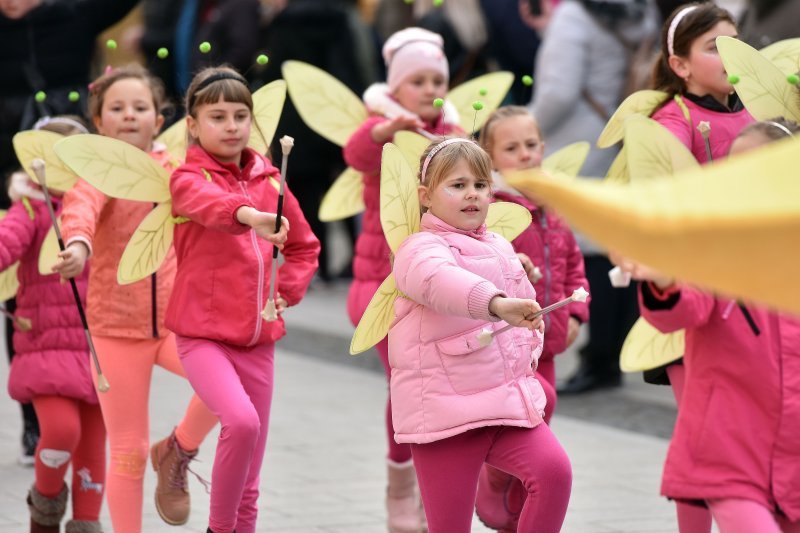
148, 245
726, 227
324, 103
652, 151
762, 87
412, 145
48, 253
638, 103
618, 172
508, 219
174, 138
567, 160
345, 198
400, 218
646, 348
490, 89
784, 54
267, 107
8, 277
38, 144
115, 167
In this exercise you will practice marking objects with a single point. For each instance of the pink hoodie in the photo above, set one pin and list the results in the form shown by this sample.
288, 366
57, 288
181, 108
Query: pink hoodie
443, 381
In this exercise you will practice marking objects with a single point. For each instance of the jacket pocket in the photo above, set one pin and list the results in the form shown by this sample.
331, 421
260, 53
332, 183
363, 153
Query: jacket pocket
469, 366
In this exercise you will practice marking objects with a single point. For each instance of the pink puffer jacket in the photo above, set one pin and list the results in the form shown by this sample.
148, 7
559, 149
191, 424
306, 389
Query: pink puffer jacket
52, 359
443, 381
737, 433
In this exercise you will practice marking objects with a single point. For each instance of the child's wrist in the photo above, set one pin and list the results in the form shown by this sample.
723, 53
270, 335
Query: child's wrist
244, 215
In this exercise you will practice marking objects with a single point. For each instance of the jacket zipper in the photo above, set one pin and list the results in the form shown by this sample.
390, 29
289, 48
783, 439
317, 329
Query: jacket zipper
547, 273
154, 295
260, 295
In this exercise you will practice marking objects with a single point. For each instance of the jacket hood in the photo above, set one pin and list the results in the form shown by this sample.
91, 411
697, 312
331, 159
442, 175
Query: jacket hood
378, 100
434, 224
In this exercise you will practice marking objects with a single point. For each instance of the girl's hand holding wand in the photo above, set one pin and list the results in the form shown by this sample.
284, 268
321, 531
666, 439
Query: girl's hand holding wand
518, 312
264, 224
73, 261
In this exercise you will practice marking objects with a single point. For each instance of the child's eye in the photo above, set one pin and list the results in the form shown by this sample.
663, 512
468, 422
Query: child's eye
532, 145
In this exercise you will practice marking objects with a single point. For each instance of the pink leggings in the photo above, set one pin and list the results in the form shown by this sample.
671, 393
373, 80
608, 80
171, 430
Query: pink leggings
236, 384
448, 470
72, 432
747, 516
128, 366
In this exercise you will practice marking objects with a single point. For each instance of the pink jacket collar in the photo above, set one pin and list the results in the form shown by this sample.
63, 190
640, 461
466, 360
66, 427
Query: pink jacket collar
434, 224
252, 163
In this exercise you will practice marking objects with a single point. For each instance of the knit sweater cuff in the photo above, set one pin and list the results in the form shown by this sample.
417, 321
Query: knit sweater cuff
478, 301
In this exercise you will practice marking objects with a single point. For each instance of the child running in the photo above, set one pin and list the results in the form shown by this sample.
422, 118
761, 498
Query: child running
127, 321
51, 366
460, 404
417, 74
224, 257
554, 265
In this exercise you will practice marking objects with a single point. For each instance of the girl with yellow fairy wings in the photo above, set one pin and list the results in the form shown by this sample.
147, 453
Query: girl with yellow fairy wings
127, 321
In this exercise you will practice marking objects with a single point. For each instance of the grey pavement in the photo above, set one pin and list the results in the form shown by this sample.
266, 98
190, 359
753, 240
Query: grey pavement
324, 468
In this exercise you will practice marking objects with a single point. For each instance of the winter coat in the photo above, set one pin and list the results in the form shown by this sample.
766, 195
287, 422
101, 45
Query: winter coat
224, 268
551, 246
105, 225
443, 381
725, 126
52, 359
371, 257
737, 433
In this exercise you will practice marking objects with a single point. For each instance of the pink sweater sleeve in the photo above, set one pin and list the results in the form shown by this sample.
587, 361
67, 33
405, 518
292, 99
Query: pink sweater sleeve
82, 207
17, 232
426, 271
691, 309
361, 152
300, 253
576, 277
205, 202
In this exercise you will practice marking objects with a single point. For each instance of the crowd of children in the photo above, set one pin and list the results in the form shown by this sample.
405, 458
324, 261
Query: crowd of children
467, 422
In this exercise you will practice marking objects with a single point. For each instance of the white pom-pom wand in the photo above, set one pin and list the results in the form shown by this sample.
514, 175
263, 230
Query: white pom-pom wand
619, 278
578, 295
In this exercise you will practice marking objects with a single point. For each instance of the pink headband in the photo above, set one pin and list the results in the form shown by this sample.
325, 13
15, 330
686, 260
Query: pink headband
673, 27
435, 151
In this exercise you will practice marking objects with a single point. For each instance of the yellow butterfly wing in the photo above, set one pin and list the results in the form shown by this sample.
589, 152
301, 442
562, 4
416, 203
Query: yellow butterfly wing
653, 151
115, 167
267, 106
324, 103
728, 227
784, 54
618, 172
762, 86
412, 145
8, 277
646, 348
174, 138
38, 144
638, 103
48, 253
400, 213
508, 219
567, 160
374, 324
490, 89
345, 198
148, 245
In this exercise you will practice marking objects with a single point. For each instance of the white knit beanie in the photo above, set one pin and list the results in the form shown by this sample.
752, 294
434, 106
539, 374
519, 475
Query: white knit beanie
411, 50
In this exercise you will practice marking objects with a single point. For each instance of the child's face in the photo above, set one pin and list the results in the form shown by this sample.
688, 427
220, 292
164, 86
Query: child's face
461, 199
703, 69
16, 9
516, 144
747, 142
417, 93
222, 129
128, 114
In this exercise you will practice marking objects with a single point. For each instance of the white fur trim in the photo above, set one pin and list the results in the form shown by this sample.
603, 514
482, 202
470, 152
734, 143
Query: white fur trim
378, 100
21, 185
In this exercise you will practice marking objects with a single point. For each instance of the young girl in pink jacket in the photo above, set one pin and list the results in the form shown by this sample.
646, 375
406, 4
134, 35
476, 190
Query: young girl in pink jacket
51, 365
224, 260
554, 265
458, 401
736, 445
127, 321
417, 74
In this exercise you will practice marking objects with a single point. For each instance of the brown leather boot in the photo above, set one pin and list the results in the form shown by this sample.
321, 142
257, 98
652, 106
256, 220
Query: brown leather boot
46, 513
171, 463
402, 499
83, 526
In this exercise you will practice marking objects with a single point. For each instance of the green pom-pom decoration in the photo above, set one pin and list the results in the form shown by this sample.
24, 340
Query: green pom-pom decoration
794, 79
262, 59
483, 92
74, 96
438, 3
205, 47
477, 105
733, 79
408, 1
111, 44
162, 53
527, 80
40, 96
438, 103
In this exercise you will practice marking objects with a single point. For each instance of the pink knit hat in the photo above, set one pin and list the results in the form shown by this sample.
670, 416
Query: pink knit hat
410, 50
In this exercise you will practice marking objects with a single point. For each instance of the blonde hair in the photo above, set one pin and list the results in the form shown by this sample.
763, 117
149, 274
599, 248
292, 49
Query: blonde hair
65, 125
773, 129
99, 87
486, 138
444, 159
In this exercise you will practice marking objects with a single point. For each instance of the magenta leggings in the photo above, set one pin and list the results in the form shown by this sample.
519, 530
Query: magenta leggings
447, 471
236, 384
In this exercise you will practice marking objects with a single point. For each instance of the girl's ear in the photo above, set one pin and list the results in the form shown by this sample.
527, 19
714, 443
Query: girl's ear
679, 66
159, 123
424, 196
191, 126
97, 121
